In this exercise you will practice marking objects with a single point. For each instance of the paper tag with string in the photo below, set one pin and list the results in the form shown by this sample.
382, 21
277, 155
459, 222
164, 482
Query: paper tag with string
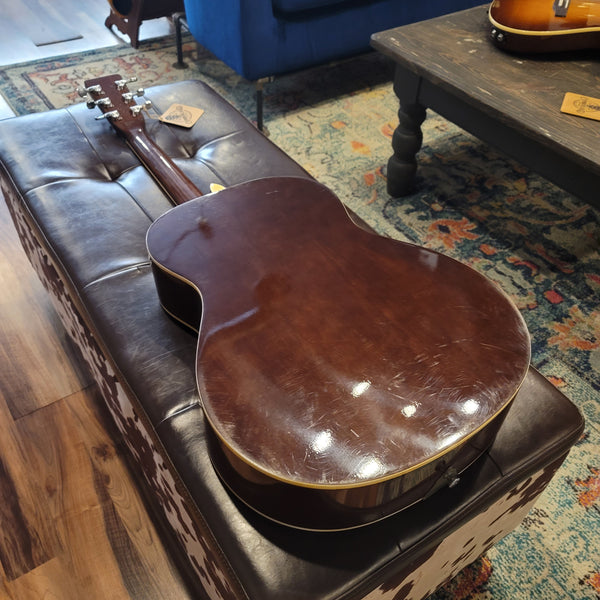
182, 115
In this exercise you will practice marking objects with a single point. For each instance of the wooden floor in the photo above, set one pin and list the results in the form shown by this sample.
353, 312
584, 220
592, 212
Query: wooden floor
35, 29
73, 524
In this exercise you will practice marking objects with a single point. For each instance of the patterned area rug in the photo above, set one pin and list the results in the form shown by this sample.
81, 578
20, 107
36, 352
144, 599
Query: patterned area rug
539, 243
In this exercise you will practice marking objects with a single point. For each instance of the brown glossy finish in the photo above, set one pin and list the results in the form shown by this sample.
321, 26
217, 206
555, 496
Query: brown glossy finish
130, 124
331, 358
534, 25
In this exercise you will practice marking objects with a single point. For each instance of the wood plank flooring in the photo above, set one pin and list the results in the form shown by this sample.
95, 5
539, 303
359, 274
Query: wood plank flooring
25, 22
73, 522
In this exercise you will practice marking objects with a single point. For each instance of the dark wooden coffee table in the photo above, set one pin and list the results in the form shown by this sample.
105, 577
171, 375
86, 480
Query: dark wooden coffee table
448, 64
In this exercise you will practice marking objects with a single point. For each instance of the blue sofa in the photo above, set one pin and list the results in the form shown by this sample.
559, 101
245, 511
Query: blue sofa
262, 38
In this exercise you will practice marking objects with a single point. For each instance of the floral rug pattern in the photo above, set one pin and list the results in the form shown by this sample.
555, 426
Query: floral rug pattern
539, 243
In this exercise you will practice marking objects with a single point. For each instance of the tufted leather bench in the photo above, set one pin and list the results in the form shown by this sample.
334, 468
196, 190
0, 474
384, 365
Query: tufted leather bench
82, 203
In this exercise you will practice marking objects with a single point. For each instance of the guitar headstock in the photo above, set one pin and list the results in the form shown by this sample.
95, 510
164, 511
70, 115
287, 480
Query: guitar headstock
112, 96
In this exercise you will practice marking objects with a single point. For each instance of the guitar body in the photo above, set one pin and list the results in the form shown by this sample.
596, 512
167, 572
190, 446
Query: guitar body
545, 25
344, 375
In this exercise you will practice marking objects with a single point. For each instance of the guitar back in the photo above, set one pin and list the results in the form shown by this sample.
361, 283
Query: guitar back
330, 358
344, 375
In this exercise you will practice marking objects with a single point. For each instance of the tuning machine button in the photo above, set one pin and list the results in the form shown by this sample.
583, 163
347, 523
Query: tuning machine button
100, 102
121, 83
128, 96
136, 109
93, 89
111, 114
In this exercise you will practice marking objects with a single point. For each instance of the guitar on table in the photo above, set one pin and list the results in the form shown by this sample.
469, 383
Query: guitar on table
343, 375
545, 25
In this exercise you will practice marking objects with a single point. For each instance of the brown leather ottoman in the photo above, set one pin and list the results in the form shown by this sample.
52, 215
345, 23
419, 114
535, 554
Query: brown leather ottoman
82, 204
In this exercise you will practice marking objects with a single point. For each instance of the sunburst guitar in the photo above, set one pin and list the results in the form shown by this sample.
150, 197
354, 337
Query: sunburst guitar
545, 25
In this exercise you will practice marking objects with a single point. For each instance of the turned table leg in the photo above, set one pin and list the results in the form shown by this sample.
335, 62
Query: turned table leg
408, 137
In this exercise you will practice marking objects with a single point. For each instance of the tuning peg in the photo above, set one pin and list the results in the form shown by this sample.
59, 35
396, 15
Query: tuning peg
112, 114
121, 83
128, 96
93, 89
100, 102
138, 108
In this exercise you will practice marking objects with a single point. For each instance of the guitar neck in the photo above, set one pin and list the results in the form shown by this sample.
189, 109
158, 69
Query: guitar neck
112, 96
178, 187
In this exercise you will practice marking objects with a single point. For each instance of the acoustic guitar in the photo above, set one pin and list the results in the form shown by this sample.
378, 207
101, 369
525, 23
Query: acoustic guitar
545, 25
343, 375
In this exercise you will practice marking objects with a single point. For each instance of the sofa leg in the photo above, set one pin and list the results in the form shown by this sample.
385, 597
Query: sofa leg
260, 84
259, 104
179, 22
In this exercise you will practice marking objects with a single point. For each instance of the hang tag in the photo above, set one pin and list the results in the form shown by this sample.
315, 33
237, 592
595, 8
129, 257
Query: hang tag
182, 115
581, 106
